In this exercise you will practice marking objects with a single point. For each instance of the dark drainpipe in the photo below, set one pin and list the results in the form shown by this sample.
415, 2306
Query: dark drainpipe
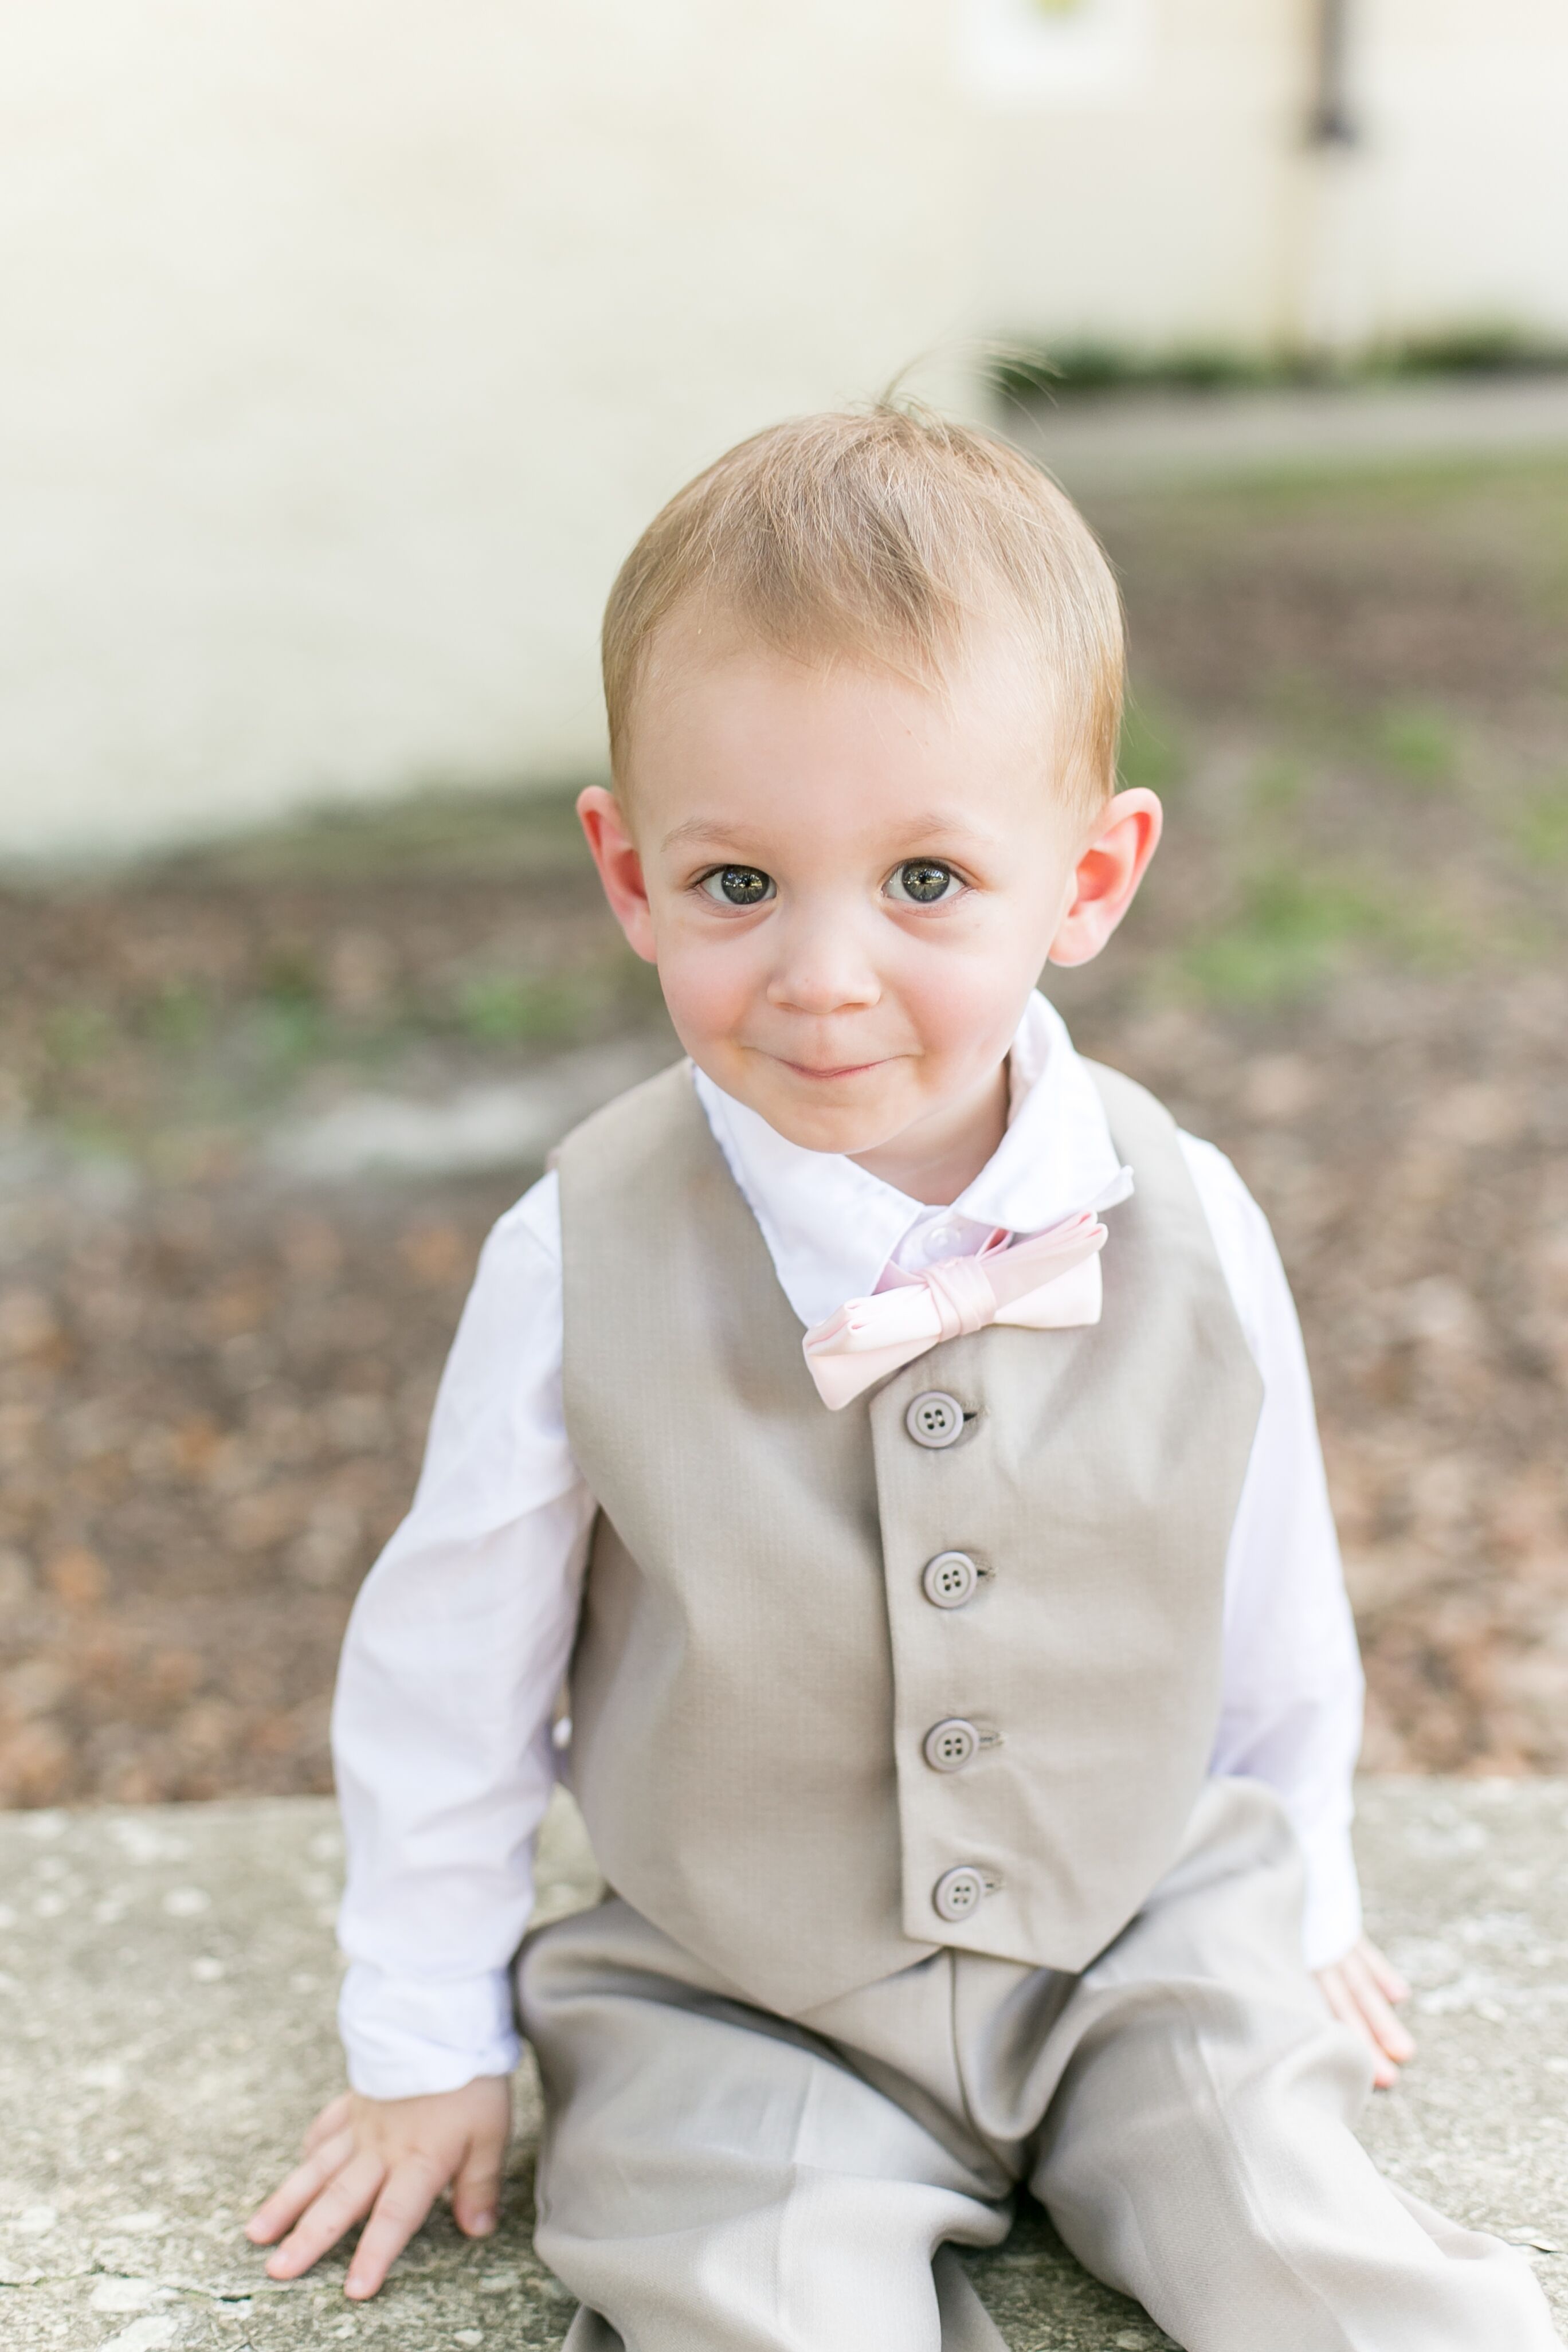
1330, 122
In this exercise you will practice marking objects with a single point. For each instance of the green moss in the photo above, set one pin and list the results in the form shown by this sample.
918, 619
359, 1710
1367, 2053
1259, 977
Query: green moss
1417, 741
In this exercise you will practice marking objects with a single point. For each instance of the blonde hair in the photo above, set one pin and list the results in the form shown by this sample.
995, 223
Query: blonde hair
889, 534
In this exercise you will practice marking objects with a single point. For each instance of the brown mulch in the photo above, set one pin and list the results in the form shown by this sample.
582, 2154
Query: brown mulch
1350, 974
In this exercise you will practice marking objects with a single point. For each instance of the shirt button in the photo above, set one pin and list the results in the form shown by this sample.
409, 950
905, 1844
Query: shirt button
959, 1892
942, 1240
935, 1418
949, 1745
948, 1579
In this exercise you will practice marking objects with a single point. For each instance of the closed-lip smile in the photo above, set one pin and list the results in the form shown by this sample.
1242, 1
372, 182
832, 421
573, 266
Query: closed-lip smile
841, 1070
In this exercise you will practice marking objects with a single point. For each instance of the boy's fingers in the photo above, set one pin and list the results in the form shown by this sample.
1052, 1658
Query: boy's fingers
329, 2122
475, 2192
1332, 1985
289, 2199
347, 2196
1386, 1975
1386, 2028
406, 2197
1346, 2008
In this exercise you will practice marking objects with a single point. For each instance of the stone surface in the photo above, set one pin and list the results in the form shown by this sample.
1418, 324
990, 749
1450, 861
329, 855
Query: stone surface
1093, 445
166, 1993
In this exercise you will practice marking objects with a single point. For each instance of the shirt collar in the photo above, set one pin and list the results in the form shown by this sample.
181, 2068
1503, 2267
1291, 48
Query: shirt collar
831, 1228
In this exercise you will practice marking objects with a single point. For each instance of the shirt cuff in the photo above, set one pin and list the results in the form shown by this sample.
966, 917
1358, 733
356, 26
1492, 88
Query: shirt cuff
404, 2036
1331, 1921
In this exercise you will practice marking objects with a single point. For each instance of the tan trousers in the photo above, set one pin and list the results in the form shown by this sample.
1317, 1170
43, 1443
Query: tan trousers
716, 2179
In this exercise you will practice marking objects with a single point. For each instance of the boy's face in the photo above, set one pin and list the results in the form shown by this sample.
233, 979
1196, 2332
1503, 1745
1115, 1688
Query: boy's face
849, 883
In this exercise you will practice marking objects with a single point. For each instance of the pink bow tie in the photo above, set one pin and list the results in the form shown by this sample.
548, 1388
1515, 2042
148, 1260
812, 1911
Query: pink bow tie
871, 1337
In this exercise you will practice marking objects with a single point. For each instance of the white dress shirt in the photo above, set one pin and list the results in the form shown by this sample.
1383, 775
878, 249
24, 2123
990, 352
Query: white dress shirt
459, 1639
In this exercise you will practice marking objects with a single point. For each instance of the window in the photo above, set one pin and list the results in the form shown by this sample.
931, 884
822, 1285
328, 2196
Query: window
1018, 53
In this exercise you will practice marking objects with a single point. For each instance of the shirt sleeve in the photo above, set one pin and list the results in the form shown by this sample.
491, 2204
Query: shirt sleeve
454, 1652
1291, 1710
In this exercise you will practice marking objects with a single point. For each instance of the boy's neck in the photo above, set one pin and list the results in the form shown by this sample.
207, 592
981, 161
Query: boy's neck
941, 1155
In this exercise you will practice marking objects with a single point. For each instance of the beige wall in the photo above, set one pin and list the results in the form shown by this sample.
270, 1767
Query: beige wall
350, 341
1150, 204
1173, 200
1467, 115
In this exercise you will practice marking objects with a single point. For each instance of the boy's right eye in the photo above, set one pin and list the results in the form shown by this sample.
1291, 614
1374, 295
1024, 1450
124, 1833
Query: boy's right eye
738, 885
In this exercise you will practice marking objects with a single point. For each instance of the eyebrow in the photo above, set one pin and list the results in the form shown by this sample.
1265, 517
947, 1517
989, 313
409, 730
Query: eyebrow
927, 830
702, 828
930, 826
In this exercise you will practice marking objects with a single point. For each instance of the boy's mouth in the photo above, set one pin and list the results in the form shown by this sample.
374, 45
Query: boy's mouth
838, 1070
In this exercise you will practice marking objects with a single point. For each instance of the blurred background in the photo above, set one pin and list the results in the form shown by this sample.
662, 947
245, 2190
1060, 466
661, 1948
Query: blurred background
349, 348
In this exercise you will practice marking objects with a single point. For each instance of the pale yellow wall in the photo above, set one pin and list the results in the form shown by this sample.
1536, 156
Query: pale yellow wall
1179, 203
1154, 209
349, 342
1467, 119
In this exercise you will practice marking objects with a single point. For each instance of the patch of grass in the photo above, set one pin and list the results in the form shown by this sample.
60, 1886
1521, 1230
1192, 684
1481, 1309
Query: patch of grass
1277, 786
283, 1034
1295, 925
180, 1018
76, 1035
527, 831
1419, 741
1483, 347
289, 977
1291, 928
1025, 368
499, 1008
1150, 755
1541, 825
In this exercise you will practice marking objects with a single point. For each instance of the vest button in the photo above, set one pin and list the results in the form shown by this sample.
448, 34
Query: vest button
948, 1579
949, 1745
958, 1892
935, 1418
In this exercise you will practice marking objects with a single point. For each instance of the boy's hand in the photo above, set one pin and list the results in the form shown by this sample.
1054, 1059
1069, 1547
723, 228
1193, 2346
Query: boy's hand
390, 2159
1360, 1990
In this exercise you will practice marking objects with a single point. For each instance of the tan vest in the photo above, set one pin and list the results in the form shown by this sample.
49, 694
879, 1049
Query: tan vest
759, 1663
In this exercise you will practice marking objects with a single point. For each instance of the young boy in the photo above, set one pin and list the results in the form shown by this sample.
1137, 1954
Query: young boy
964, 1701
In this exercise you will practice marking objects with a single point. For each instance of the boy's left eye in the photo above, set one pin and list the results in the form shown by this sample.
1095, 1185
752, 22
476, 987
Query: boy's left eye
738, 885
922, 881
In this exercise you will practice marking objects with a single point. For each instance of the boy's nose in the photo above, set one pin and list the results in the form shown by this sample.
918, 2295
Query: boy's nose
823, 969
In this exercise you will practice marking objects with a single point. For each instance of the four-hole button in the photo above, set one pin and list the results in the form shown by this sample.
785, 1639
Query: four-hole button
948, 1579
958, 1892
950, 1745
934, 1419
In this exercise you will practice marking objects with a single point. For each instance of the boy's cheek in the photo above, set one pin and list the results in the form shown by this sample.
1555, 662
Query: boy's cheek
707, 991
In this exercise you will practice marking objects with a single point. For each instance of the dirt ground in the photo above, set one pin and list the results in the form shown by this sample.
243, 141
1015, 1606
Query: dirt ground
1349, 970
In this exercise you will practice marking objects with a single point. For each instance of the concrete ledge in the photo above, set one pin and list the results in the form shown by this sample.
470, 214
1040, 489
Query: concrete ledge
1127, 440
166, 1988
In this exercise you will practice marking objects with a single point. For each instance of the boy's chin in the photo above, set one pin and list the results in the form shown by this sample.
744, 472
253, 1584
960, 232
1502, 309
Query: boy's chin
843, 1127
859, 1112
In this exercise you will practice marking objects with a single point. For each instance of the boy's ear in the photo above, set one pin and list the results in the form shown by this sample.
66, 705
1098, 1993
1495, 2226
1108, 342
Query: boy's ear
1110, 865
620, 867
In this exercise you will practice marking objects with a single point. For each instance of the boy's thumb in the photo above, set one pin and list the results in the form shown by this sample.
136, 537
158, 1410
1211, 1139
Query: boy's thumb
476, 2191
